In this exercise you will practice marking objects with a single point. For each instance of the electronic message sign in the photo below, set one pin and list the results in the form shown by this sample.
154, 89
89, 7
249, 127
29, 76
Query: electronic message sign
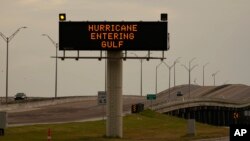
113, 35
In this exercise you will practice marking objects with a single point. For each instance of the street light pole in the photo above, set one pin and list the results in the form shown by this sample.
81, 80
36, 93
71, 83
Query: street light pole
106, 72
56, 45
141, 60
195, 81
203, 74
7, 70
141, 73
189, 69
156, 77
175, 62
213, 75
7, 40
141, 76
169, 76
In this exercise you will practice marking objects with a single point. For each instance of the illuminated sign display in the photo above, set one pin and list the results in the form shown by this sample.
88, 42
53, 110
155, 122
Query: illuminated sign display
113, 36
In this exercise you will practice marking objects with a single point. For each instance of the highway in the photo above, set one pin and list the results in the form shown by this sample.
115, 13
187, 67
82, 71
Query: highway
221, 106
209, 104
53, 111
84, 108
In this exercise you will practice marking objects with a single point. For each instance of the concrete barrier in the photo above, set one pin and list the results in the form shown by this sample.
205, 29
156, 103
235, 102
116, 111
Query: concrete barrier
42, 103
191, 129
3, 122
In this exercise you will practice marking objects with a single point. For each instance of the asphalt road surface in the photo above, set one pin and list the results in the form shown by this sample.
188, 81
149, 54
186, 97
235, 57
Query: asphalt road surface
72, 112
66, 112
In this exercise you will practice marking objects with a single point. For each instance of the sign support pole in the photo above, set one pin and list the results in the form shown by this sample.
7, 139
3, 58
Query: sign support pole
114, 122
151, 104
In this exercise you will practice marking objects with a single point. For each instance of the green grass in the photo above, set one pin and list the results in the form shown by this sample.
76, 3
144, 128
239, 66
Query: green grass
146, 126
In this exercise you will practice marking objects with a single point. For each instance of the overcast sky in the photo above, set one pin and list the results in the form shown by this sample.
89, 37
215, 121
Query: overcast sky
214, 31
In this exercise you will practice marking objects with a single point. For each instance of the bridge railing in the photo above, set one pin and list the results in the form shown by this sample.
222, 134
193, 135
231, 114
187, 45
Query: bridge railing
191, 102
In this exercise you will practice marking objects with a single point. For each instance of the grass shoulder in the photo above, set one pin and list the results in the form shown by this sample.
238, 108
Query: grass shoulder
146, 126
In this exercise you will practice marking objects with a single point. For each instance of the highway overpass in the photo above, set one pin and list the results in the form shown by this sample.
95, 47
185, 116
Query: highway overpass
221, 105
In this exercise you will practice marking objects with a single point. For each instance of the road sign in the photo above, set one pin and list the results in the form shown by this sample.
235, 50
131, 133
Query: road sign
137, 108
133, 108
102, 98
151, 96
115, 35
236, 115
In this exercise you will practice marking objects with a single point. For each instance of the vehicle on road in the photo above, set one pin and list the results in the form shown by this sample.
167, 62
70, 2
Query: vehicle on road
179, 93
20, 96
